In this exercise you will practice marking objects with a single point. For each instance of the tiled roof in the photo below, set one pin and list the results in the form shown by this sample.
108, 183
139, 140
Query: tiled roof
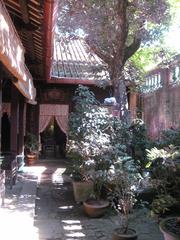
73, 59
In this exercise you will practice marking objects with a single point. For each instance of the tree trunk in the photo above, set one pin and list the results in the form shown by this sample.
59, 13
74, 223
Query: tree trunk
120, 94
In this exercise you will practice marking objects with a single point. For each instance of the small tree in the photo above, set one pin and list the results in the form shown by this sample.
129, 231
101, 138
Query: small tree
122, 196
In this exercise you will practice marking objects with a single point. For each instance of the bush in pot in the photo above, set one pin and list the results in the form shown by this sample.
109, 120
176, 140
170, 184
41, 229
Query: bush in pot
122, 196
85, 124
98, 138
82, 185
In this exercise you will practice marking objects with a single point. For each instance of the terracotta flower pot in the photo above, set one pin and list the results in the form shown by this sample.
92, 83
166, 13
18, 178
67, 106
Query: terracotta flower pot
31, 158
118, 235
95, 208
170, 228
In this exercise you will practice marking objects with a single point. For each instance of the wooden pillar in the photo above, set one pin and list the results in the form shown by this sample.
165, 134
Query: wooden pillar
21, 126
32, 119
14, 120
1, 79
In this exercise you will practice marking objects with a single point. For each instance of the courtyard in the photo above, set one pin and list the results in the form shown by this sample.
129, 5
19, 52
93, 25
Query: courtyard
41, 206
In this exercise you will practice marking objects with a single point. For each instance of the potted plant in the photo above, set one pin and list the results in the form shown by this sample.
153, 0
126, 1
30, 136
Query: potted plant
97, 204
78, 142
170, 227
109, 156
89, 141
31, 148
82, 185
122, 196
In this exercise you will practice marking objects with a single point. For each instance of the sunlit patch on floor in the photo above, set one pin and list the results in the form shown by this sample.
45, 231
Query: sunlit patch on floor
66, 207
73, 229
76, 234
35, 171
57, 175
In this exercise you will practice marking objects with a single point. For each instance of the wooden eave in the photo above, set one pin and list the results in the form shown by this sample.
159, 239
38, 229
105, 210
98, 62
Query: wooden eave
12, 55
34, 21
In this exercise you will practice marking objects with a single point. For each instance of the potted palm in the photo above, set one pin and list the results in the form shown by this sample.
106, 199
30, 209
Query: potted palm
31, 148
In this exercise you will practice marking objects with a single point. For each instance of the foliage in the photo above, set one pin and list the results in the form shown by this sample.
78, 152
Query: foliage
162, 204
31, 143
88, 135
148, 57
98, 139
114, 30
164, 169
155, 154
170, 137
139, 144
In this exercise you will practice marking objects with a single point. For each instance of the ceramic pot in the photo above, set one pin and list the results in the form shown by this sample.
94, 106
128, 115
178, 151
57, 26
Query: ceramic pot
95, 208
129, 235
31, 158
170, 228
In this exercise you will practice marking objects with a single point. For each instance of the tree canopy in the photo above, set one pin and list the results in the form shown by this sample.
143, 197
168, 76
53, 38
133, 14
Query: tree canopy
114, 30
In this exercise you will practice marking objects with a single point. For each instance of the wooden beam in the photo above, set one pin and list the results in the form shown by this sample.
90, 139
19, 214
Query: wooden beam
74, 81
50, 16
25, 17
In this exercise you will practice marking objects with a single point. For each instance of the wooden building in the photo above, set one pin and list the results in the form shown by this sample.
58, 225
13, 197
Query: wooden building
39, 75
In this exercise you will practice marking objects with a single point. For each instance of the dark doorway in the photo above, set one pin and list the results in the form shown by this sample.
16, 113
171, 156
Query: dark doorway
53, 141
5, 133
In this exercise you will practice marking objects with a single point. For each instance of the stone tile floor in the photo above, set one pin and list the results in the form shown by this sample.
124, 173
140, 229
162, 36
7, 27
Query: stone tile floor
41, 207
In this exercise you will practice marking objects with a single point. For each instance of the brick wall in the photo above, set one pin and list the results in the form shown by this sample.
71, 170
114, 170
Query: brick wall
161, 107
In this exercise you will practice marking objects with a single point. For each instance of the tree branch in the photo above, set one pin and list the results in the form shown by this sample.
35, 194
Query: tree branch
130, 50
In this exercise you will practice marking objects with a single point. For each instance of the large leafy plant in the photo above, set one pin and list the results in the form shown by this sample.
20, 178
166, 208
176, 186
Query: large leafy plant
164, 170
88, 132
99, 139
